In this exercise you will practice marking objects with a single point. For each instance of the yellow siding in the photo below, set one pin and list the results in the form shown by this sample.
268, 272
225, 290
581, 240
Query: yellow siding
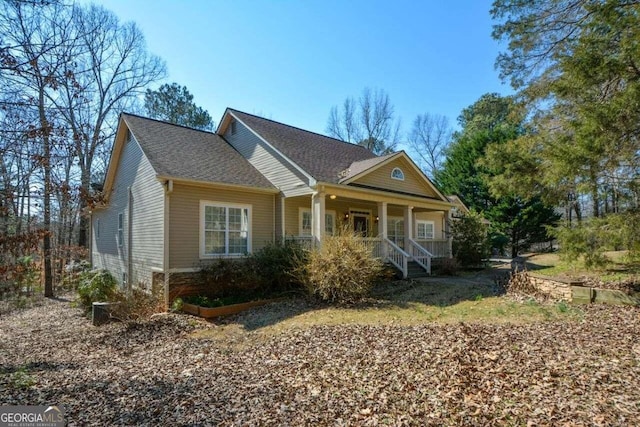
292, 206
413, 182
184, 224
438, 221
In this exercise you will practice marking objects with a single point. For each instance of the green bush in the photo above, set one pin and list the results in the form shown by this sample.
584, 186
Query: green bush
229, 277
590, 239
470, 241
275, 265
96, 286
267, 271
341, 270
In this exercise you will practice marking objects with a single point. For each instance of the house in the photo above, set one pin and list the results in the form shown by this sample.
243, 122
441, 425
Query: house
176, 198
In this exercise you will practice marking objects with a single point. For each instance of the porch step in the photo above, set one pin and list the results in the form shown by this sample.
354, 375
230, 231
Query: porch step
415, 270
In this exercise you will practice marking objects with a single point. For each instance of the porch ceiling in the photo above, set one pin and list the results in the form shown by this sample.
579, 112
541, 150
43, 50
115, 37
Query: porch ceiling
368, 201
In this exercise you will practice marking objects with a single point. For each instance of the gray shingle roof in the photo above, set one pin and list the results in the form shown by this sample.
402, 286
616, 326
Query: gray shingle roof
181, 152
320, 156
360, 166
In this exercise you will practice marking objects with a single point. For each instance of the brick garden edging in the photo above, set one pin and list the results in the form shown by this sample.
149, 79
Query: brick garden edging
572, 290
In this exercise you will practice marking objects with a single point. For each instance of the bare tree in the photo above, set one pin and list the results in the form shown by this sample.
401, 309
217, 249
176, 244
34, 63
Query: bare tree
110, 69
428, 139
368, 121
35, 52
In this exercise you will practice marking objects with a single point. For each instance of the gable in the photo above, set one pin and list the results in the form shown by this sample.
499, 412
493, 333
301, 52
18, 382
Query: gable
414, 182
319, 156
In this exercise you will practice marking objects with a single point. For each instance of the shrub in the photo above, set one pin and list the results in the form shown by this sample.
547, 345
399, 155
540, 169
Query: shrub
343, 269
449, 267
275, 265
591, 238
228, 277
470, 242
95, 286
136, 304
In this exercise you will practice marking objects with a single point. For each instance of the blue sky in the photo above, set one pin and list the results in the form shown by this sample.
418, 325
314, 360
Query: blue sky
292, 61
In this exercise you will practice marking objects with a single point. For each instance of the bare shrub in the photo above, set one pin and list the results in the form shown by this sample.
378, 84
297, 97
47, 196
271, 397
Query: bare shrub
137, 304
342, 270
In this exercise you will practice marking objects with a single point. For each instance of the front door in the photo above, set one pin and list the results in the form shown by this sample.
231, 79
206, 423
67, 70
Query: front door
361, 224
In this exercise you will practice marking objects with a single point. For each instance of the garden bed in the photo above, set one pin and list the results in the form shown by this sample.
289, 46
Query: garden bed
209, 312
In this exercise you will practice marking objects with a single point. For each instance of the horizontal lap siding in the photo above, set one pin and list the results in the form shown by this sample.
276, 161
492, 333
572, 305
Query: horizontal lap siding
184, 226
264, 158
147, 224
413, 182
438, 221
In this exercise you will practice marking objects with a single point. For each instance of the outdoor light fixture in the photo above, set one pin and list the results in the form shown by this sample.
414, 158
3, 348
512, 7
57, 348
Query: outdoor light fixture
377, 219
346, 216
333, 197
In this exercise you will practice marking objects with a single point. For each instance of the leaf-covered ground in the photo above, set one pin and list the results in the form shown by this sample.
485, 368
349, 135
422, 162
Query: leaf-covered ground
175, 370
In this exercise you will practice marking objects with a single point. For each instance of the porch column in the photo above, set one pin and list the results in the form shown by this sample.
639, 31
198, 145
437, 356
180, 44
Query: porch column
408, 226
317, 216
447, 233
383, 232
382, 220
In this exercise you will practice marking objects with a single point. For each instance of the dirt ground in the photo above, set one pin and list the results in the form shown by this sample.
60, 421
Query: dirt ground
582, 369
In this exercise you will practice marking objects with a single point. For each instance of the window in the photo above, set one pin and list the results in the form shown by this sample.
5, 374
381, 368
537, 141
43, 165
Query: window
395, 230
97, 229
120, 229
305, 222
225, 229
425, 229
397, 173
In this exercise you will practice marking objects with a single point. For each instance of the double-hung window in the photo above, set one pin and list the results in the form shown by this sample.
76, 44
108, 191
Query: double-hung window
305, 222
425, 229
225, 229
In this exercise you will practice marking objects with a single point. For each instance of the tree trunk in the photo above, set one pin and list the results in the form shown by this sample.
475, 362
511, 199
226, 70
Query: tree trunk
46, 153
83, 220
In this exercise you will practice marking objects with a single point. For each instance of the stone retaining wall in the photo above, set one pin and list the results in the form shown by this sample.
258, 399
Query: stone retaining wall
556, 288
575, 291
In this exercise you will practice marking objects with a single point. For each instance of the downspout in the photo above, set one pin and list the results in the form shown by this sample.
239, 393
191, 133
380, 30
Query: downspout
282, 218
129, 239
165, 240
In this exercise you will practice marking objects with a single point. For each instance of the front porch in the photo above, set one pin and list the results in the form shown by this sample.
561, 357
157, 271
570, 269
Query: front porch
402, 232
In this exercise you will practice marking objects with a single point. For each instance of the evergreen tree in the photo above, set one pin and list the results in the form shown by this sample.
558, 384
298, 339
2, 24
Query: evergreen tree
174, 104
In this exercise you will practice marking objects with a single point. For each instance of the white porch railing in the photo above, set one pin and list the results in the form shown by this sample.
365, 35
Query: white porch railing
387, 250
396, 256
374, 244
438, 248
420, 255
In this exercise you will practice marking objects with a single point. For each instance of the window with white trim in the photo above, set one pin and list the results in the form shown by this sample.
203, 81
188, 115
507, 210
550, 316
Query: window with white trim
97, 233
397, 173
305, 222
425, 229
120, 229
225, 229
395, 230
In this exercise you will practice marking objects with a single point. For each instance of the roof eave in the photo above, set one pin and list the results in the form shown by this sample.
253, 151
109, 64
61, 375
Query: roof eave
217, 184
